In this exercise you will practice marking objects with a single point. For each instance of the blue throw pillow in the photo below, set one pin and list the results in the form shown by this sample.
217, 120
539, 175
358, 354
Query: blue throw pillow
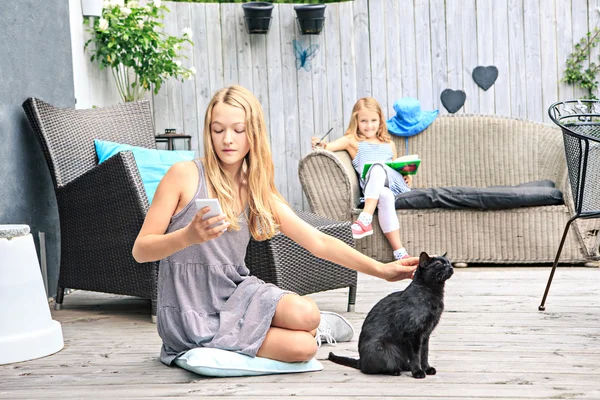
152, 164
223, 363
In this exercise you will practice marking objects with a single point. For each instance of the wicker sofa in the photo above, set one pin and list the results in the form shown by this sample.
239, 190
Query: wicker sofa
466, 150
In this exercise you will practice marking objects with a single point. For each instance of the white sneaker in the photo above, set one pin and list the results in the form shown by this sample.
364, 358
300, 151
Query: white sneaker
333, 328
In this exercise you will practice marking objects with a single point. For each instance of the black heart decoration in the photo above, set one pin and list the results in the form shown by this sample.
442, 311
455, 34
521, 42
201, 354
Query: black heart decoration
485, 77
453, 100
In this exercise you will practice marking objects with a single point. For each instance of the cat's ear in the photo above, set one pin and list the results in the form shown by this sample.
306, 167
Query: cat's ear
444, 255
424, 258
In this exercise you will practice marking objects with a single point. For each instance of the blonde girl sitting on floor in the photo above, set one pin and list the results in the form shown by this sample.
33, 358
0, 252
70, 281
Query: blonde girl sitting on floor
367, 141
207, 296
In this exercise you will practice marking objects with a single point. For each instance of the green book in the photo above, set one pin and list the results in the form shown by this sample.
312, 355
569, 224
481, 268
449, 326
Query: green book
406, 165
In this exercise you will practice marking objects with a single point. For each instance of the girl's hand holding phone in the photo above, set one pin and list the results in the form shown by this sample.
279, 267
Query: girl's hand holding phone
208, 223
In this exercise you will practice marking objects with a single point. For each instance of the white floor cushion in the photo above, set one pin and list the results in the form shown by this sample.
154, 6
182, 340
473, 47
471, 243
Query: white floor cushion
223, 363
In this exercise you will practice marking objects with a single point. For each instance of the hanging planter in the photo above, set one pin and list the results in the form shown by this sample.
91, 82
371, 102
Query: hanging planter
310, 18
91, 8
257, 15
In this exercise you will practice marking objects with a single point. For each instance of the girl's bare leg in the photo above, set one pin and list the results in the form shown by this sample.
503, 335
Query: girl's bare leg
296, 313
370, 205
394, 238
287, 345
292, 334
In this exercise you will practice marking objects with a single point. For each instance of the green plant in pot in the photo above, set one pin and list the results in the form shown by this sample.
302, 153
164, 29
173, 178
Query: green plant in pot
257, 15
310, 18
129, 39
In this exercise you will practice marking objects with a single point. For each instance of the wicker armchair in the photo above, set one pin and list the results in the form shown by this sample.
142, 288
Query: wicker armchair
284, 263
101, 207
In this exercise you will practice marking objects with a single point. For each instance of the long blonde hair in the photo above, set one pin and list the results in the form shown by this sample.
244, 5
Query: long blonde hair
257, 168
370, 104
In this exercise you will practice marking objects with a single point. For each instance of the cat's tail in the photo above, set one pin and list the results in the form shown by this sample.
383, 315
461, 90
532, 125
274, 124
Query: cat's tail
347, 361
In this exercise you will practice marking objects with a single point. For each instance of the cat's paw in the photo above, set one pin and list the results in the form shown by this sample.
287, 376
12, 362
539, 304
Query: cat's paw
430, 371
419, 374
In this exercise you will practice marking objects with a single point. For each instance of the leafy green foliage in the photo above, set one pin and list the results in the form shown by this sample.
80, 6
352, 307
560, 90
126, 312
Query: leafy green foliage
576, 72
129, 39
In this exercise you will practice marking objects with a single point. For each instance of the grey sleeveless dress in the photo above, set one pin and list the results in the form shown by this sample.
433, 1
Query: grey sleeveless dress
206, 297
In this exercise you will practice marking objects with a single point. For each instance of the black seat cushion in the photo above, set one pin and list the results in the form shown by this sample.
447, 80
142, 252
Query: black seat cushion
538, 193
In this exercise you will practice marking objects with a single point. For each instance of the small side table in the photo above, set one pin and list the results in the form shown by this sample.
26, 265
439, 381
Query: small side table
169, 139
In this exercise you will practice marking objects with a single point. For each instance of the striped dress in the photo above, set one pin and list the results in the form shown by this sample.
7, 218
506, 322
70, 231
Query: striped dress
378, 153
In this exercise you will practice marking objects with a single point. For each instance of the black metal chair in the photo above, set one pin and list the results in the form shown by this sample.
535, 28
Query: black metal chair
101, 207
580, 124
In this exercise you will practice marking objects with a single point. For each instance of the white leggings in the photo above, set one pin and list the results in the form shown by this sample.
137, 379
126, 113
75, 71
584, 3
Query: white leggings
375, 189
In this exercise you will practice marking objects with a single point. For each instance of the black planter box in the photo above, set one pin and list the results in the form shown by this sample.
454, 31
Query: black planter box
310, 18
257, 15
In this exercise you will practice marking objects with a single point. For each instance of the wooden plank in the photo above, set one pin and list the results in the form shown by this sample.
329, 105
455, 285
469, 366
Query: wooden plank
439, 57
549, 65
202, 80
174, 102
319, 88
275, 101
593, 21
377, 42
502, 94
215, 50
485, 51
470, 59
188, 87
229, 387
518, 105
564, 44
305, 104
392, 54
579, 18
348, 56
423, 52
362, 49
334, 71
244, 50
287, 23
408, 51
258, 44
229, 23
455, 47
533, 61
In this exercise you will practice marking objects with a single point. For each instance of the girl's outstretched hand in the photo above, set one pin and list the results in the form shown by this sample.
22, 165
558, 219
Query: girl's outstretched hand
199, 230
401, 269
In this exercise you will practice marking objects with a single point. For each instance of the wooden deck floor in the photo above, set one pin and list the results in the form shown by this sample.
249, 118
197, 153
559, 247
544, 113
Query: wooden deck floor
492, 343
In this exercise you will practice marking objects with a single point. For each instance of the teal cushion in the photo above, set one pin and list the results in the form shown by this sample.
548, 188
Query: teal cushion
223, 363
152, 164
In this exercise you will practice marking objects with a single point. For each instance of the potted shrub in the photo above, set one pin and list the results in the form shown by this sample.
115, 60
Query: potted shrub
310, 18
257, 15
130, 40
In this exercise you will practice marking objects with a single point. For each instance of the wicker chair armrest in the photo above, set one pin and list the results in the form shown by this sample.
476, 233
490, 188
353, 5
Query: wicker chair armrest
104, 209
113, 185
330, 183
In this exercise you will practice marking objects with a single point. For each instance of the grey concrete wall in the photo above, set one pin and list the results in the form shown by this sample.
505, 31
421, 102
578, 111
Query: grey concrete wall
35, 61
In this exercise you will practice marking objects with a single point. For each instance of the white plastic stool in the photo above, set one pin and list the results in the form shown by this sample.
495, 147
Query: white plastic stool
27, 330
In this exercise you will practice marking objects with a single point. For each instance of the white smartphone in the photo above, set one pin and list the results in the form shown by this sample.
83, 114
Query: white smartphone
215, 208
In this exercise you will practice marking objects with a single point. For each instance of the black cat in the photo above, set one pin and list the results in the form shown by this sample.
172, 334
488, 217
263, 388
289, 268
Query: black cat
395, 334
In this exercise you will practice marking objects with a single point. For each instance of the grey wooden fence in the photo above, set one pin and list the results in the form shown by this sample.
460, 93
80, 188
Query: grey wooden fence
382, 48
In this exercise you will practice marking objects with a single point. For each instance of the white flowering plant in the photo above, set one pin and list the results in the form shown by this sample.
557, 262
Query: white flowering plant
130, 40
